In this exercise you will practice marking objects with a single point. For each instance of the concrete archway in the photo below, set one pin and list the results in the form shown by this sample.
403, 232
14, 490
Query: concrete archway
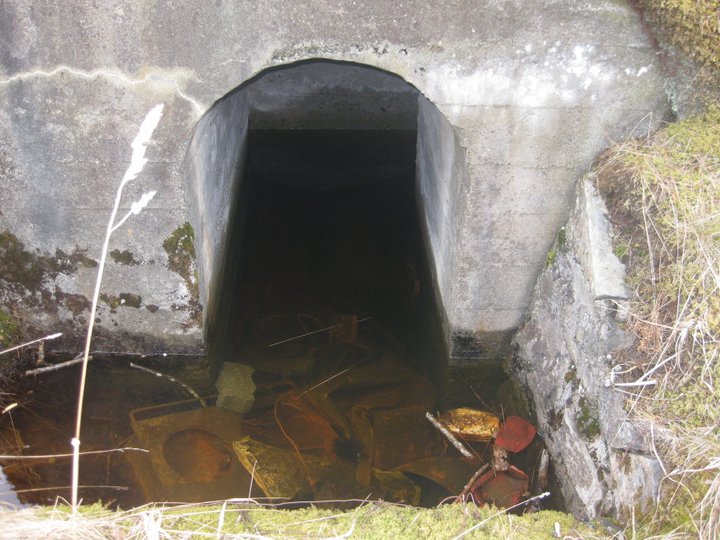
378, 127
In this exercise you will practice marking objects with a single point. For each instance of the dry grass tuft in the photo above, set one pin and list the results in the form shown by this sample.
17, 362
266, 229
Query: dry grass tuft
664, 199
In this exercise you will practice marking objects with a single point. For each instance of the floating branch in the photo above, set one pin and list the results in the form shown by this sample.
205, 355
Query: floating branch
55, 367
190, 391
314, 332
449, 436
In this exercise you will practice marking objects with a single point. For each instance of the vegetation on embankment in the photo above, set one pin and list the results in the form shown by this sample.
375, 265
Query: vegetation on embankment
692, 28
243, 520
691, 25
664, 199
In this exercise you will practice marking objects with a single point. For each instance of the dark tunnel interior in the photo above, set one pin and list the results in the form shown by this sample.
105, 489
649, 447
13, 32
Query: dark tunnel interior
327, 227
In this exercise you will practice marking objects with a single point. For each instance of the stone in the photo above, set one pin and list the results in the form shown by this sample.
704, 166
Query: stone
236, 388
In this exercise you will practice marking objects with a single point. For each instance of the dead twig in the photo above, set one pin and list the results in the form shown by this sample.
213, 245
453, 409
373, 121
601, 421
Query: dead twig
52, 456
449, 436
39, 340
314, 332
472, 480
192, 392
55, 367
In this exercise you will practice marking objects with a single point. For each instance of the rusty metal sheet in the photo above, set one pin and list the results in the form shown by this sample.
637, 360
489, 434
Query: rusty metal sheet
501, 488
471, 424
403, 435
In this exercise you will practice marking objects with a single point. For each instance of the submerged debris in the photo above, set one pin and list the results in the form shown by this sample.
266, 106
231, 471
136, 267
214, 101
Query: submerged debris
516, 434
235, 387
471, 424
342, 415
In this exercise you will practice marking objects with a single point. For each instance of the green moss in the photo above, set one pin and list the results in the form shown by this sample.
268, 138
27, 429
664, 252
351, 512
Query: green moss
20, 266
180, 249
124, 299
586, 420
130, 300
693, 27
123, 257
9, 330
112, 301
550, 258
560, 245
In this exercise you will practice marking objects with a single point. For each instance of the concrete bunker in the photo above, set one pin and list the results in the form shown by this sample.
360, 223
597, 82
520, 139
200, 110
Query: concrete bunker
488, 218
321, 157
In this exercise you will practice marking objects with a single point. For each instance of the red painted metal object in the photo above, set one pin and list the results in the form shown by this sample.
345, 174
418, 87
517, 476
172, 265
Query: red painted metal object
515, 434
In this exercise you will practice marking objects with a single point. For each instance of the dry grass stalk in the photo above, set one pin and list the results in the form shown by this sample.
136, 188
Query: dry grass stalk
137, 162
664, 197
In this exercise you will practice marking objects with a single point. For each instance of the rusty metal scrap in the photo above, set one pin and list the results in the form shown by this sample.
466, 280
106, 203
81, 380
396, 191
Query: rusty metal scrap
471, 424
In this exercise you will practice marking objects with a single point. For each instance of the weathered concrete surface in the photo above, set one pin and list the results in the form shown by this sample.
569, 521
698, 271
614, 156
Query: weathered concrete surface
331, 95
564, 358
214, 160
531, 92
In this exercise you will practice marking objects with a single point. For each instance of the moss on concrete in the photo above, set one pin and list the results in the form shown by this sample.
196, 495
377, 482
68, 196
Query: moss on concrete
180, 249
17, 264
130, 300
9, 330
560, 245
125, 257
123, 299
110, 300
586, 420
28, 269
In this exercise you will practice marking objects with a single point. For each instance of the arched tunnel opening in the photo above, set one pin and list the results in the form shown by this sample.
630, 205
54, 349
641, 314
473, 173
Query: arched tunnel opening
327, 226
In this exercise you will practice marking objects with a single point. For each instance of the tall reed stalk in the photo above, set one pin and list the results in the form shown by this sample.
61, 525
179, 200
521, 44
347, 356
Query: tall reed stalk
137, 162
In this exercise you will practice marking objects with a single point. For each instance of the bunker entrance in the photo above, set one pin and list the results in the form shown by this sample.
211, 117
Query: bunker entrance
327, 348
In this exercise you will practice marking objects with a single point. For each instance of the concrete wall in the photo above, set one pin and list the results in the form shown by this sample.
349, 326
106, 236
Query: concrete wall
531, 91
440, 171
213, 168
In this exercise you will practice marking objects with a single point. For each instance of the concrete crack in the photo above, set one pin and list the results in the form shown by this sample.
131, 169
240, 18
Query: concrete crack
162, 79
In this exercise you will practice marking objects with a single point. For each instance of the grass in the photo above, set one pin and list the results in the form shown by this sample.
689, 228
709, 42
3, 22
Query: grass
247, 519
9, 330
664, 199
692, 27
